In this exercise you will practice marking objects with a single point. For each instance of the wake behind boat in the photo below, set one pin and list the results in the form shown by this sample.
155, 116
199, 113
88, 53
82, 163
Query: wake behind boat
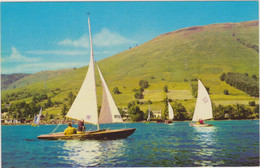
85, 108
203, 108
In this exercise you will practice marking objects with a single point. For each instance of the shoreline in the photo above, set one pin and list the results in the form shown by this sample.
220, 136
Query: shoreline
66, 122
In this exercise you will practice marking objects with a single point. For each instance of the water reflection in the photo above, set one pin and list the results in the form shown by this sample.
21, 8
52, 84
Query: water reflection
206, 141
91, 153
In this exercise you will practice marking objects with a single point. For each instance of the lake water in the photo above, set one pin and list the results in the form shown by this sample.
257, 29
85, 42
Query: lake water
228, 143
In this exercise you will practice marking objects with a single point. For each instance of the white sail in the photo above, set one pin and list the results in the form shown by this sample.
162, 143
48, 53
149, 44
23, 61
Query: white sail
109, 112
203, 108
148, 117
38, 117
34, 120
170, 110
85, 105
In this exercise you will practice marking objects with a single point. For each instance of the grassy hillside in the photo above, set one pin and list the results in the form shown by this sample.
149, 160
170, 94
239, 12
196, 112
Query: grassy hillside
171, 59
7, 79
34, 78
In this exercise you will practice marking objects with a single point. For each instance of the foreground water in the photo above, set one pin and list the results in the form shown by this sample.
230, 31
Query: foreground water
228, 143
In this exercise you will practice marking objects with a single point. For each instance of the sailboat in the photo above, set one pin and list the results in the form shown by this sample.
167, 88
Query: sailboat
37, 119
170, 114
148, 116
85, 108
203, 108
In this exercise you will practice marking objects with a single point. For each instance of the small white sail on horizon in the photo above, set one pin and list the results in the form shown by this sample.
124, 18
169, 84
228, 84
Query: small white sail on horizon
38, 117
203, 108
170, 111
149, 115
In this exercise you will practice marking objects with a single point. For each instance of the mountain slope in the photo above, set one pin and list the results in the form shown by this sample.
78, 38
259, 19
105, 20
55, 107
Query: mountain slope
204, 49
33, 78
7, 79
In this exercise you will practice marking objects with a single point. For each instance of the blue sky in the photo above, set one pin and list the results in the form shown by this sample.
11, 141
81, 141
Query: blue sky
39, 36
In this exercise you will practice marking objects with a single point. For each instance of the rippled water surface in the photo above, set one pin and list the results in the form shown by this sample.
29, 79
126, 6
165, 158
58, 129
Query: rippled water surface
228, 143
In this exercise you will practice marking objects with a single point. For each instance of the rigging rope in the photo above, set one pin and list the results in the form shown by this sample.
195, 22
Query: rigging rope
58, 125
91, 127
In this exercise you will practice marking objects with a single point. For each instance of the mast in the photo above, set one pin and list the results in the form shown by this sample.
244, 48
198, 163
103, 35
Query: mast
92, 60
84, 106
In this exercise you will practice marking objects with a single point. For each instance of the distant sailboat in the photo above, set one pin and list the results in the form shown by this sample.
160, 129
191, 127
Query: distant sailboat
85, 108
203, 108
170, 114
37, 119
148, 116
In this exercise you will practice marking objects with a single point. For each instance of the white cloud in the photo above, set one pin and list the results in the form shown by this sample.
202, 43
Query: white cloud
81, 42
105, 38
69, 52
37, 67
58, 52
108, 38
15, 56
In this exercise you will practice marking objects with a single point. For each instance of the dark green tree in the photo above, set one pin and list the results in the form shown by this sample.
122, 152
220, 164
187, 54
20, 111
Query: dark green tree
254, 77
223, 77
180, 112
165, 89
165, 110
251, 103
116, 91
143, 84
52, 116
64, 110
49, 103
226, 92
139, 95
71, 98
135, 113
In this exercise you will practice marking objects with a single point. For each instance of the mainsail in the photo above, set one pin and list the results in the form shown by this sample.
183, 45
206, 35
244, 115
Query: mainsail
85, 105
203, 108
170, 110
109, 112
148, 117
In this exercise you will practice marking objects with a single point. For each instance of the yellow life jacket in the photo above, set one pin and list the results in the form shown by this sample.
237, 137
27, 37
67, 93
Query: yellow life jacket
70, 130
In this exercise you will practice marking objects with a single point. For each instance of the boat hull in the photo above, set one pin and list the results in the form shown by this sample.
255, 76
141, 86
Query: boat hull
91, 135
167, 122
200, 125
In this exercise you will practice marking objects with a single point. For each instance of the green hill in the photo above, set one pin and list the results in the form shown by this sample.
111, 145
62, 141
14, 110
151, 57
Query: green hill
7, 79
33, 78
173, 59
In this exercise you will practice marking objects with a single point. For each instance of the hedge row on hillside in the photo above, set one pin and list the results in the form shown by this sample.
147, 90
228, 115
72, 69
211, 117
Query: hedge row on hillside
242, 82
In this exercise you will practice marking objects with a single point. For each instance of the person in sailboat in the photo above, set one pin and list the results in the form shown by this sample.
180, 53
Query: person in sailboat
201, 121
81, 126
70, 130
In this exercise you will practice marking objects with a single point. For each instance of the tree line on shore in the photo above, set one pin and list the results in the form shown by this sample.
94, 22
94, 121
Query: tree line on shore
220, 112
238, 111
